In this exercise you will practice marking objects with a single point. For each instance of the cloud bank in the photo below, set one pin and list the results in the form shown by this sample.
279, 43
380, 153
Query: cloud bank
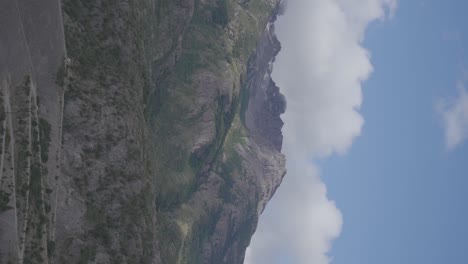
320, 70
454, 115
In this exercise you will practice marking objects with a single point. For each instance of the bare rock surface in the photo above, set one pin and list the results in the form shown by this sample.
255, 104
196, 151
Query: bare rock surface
136, 131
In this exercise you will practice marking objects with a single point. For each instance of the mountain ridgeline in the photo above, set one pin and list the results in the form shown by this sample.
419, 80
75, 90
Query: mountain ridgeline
136, 131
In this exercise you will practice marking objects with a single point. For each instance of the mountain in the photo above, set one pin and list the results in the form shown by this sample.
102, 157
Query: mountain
136, 131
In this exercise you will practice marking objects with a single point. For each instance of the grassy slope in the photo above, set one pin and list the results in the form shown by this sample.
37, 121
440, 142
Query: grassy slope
207, 46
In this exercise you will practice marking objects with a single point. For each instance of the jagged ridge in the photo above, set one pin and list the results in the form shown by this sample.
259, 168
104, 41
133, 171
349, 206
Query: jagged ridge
154, 137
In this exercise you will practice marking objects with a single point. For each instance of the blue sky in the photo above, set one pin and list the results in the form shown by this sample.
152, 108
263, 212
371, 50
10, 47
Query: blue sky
401, 192
374, 135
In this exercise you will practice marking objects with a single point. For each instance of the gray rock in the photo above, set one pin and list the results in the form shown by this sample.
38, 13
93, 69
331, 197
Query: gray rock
136, 131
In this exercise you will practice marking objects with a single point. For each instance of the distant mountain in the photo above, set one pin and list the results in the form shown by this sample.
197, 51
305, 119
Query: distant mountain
136, 131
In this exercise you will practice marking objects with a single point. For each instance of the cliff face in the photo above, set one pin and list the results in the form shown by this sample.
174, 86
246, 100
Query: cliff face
136, 131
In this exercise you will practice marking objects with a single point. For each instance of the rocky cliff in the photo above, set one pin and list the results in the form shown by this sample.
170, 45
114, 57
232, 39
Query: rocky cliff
136, 131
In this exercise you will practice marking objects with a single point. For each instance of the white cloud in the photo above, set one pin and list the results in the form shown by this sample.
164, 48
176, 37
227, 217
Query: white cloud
301, 222
320, 70
454, 115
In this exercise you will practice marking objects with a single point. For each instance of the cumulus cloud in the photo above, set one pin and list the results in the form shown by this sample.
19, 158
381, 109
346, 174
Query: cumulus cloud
454, 113
320, 70
300, 223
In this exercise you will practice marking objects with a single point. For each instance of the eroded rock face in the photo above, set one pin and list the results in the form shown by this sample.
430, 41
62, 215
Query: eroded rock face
139, 132
234, 190
266, 103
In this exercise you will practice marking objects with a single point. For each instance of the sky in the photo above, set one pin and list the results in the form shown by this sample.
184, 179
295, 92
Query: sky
375, 135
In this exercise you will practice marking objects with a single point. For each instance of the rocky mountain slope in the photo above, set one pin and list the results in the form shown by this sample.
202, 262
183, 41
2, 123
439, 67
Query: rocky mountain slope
136, 131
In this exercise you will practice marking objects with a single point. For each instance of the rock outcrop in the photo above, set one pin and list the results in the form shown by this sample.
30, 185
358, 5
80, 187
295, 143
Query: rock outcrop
136, 131
266, 103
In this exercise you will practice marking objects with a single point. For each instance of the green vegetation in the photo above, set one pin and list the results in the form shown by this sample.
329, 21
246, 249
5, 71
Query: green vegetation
244, 46
60, 76
96, 51
100, 222
222, 124
203, 45
4, 200
170, 233
44, 134
2, 111
215, 47
36, 181
201, 231
220, 13
161, 9
244, 102
50, 247
87, 255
